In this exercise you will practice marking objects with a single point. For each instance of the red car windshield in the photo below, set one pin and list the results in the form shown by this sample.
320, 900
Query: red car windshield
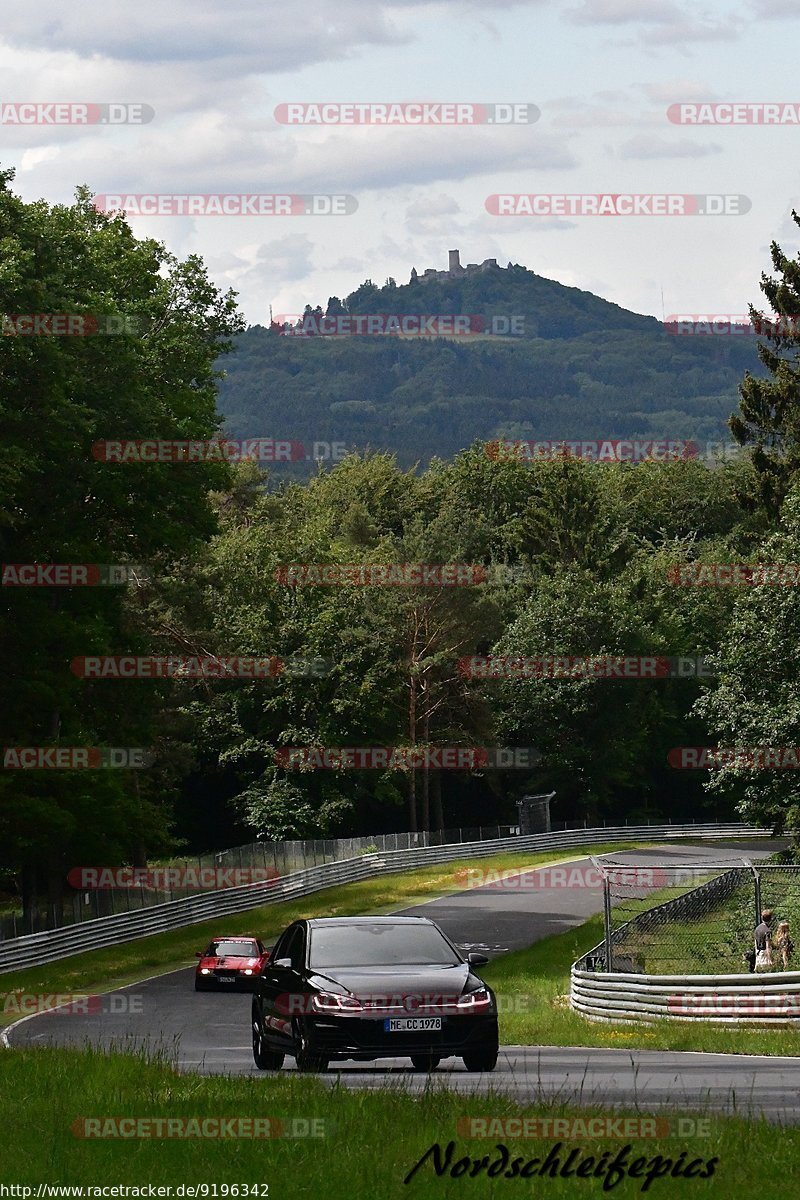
232, 949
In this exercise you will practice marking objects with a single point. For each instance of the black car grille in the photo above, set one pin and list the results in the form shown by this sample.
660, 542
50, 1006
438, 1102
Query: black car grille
365, 1035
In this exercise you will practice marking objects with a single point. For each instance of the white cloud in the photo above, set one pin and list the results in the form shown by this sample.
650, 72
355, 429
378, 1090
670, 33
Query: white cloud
663, 22
620, 12
250, 34
644, 146
675, 91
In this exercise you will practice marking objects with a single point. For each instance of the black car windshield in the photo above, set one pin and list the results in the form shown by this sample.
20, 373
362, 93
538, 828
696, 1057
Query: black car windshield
232, 949
379, 946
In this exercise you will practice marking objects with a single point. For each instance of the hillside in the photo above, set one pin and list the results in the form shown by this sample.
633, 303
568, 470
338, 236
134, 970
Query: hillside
581, 368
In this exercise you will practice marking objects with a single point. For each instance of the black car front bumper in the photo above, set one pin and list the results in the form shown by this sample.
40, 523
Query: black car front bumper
367, 1037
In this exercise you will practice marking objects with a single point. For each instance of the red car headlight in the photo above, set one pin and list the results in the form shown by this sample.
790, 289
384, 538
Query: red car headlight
331, 1002
475, 1001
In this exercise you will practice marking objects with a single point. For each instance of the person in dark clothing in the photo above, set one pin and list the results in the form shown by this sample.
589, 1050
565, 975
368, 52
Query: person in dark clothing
762, 936
763, 931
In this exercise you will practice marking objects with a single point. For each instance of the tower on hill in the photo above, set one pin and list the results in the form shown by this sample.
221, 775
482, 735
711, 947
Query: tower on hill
455, 269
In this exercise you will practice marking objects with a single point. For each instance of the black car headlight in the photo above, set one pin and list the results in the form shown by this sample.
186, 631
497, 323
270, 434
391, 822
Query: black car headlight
478, 1001
332, 1003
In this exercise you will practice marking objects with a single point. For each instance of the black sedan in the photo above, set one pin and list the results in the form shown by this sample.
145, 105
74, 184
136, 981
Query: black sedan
371, 987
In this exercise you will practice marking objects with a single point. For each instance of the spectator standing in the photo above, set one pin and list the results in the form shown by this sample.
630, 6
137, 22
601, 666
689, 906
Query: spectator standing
763, 944
783, 943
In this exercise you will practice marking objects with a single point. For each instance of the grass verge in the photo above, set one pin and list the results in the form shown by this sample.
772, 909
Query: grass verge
373, 1138
533, 986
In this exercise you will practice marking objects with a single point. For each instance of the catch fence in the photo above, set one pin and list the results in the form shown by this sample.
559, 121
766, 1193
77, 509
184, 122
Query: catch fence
662, 919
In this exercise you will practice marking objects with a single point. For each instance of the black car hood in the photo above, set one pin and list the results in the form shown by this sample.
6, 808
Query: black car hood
403, 980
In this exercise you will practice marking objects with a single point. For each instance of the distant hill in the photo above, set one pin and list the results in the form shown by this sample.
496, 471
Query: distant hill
581, 367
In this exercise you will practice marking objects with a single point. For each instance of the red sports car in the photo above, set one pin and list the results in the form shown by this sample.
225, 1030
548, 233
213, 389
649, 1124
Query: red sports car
229, 963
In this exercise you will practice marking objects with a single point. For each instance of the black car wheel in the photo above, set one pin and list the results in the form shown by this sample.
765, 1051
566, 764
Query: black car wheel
264, 1058
481, 1060
308, 1060
201, 987
425, 1062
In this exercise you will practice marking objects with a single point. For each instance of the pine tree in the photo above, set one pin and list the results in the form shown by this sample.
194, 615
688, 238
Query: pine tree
769, 416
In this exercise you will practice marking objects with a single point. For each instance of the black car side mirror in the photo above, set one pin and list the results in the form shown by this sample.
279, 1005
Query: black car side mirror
476, 960
285, 964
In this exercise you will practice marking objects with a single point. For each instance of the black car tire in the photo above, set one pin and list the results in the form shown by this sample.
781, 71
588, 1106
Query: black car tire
265, 1059
201, 987
425, 1062
481, 1060
306, 1059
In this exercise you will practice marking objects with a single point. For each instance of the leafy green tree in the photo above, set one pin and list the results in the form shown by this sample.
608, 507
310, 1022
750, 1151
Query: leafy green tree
59, 503
757, 700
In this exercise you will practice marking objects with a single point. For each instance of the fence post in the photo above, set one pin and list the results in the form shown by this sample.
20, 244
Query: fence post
756, 892
607, 923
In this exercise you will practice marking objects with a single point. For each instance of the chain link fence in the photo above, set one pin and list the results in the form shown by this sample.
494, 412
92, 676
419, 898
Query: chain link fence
178, 878
692, 919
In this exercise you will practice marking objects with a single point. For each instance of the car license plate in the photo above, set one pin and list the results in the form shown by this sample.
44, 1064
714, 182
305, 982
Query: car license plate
411, 1024
227, 978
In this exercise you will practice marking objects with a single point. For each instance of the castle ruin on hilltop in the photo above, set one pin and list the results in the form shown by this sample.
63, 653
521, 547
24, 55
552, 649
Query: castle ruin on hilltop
455, 269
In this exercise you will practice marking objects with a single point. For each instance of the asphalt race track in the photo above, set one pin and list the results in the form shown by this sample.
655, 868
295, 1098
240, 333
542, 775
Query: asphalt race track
210, 1032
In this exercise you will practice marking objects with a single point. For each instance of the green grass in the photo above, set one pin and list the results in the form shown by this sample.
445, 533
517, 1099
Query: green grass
116, 966
374, 1138
535, 982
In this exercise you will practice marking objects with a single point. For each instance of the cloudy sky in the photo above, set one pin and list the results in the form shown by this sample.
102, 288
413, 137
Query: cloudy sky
602, 73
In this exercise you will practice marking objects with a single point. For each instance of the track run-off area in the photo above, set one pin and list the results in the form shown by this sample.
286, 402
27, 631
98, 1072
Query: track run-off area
209, 1033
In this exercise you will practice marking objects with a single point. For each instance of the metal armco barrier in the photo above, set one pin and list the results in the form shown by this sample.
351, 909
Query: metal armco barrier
625, 997
762, 999
38, 948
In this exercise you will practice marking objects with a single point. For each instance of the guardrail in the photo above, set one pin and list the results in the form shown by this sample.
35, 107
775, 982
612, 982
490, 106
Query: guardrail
34, 949
629, 999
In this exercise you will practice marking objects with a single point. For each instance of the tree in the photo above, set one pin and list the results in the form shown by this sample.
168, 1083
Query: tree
769, 408
757, 701
60, 504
